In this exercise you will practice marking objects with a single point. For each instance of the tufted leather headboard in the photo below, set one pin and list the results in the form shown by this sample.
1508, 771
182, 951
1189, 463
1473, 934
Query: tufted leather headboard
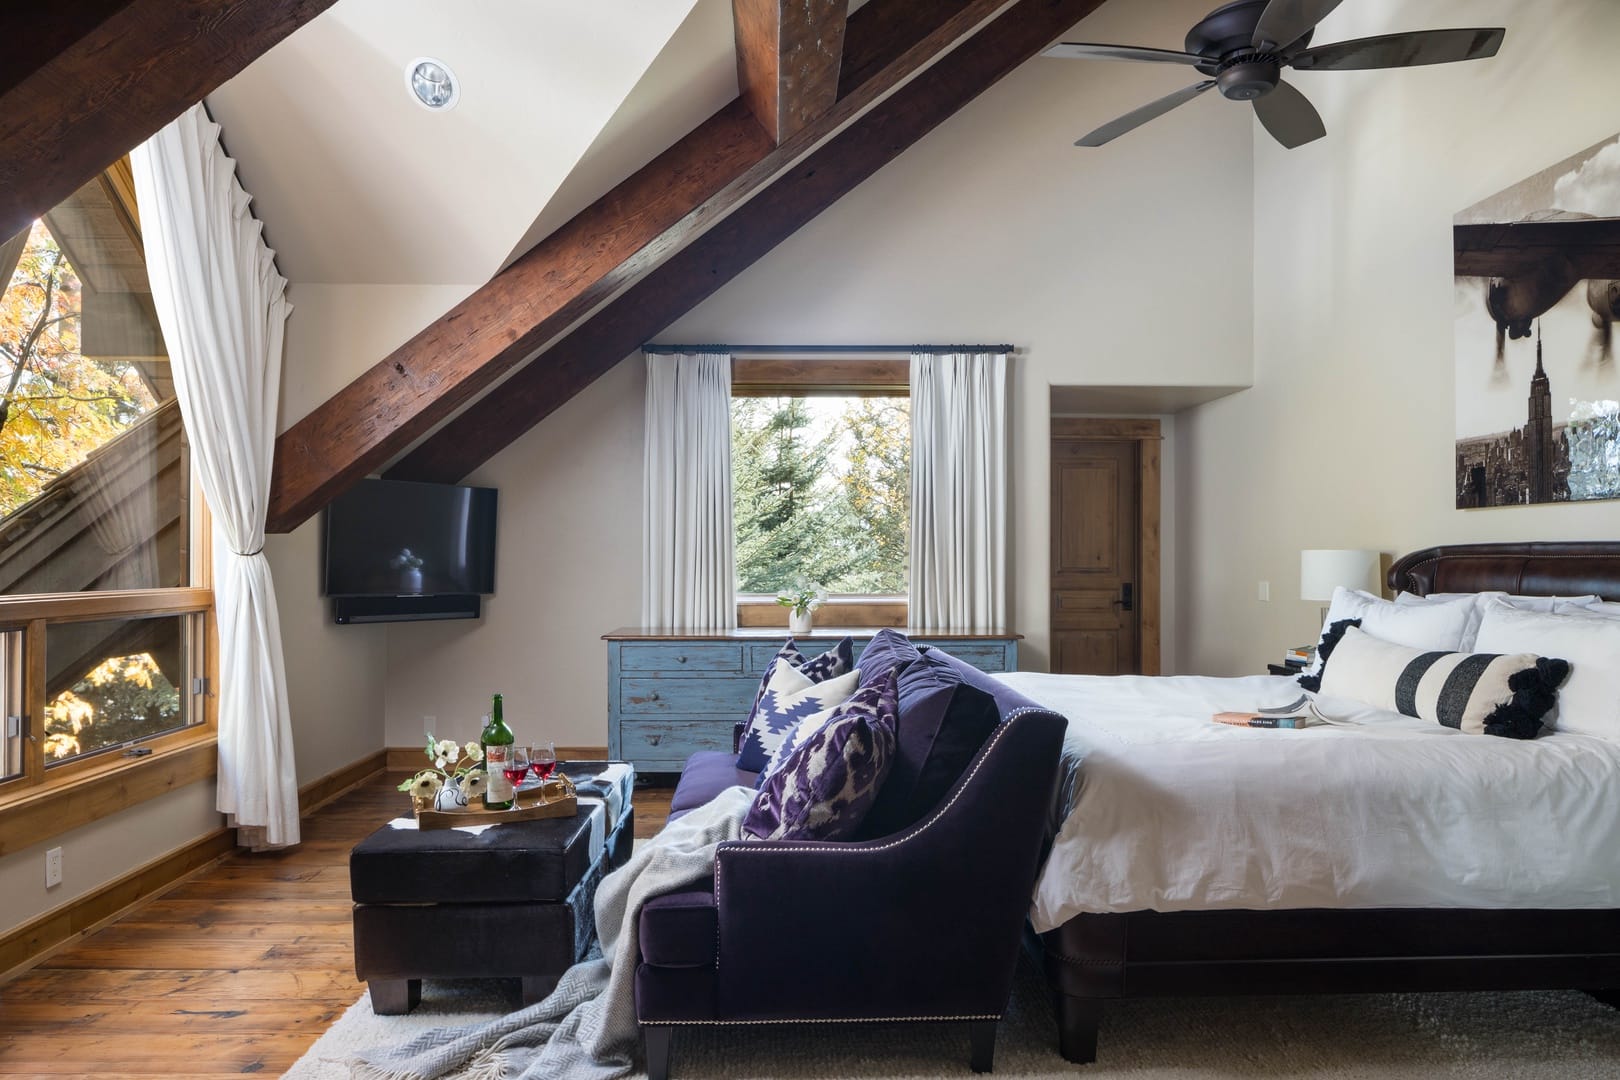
1575, 568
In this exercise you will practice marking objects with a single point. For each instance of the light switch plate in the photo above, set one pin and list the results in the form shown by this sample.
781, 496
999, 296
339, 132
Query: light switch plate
1265, 591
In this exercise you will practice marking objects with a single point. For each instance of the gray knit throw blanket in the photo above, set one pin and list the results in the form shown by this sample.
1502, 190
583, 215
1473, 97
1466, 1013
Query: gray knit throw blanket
586, 1029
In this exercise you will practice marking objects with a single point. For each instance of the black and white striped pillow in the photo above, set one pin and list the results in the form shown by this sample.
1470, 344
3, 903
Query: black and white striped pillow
1478, 693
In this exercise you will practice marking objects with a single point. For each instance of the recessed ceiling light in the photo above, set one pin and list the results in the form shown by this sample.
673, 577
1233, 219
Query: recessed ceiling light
432, 84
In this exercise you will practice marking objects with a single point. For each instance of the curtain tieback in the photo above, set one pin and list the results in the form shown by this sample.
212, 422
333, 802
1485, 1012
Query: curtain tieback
249, 554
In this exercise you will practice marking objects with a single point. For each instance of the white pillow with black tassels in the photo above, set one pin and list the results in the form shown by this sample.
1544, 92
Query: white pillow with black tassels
1476, 693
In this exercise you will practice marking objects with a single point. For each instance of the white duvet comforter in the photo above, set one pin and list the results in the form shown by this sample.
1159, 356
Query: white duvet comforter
1162, 809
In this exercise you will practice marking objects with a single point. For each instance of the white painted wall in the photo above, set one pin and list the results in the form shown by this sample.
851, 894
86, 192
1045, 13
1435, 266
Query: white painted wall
1346, 438
1126, 265
1129, 266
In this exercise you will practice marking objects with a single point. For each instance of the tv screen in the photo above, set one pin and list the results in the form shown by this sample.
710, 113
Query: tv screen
392, 538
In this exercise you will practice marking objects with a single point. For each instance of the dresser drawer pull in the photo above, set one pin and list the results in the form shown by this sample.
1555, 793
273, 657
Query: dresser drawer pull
655, 739
654, 696
680, 659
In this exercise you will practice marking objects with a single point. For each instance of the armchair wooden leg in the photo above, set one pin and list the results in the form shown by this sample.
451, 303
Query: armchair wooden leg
658, 1040
1078, 1018
982, 1035
395, 997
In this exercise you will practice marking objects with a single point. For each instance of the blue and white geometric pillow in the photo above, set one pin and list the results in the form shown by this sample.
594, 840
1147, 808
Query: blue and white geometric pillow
830, 664
789, 698
827, 785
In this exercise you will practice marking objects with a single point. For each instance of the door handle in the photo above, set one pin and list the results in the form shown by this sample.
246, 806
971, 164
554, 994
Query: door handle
1125, 601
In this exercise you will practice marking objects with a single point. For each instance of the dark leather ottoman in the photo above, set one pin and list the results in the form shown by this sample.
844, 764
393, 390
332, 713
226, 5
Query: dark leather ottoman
513, 901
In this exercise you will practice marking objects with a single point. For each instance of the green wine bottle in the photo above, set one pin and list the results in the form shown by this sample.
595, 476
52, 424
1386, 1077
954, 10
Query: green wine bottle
497, 740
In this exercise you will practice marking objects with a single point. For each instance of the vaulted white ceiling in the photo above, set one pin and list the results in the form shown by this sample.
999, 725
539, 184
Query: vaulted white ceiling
357, 183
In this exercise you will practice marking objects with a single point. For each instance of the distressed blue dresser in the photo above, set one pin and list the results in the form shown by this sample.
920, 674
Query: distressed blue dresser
672, 694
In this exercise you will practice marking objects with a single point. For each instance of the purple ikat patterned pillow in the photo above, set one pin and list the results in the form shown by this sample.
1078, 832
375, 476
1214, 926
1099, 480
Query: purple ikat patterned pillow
829, 782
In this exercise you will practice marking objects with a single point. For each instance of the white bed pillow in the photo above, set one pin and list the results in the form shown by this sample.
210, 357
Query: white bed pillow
1434, 627
1558, 604
1589, 703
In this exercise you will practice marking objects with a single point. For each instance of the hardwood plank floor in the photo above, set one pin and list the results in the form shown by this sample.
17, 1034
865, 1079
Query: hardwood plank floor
238, 970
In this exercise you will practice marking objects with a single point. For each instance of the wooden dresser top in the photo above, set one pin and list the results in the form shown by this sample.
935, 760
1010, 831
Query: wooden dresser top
779, 633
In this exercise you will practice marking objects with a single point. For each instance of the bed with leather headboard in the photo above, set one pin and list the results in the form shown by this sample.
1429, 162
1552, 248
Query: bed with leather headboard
1098, 955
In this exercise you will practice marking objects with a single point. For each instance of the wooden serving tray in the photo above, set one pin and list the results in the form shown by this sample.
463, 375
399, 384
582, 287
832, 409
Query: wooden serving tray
544, 802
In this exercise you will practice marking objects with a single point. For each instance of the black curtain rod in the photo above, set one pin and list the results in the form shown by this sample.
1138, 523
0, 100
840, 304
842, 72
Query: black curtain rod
661, 350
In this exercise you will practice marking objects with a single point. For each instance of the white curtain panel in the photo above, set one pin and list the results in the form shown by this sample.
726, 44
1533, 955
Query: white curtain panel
958, 491
223, 309
688, 563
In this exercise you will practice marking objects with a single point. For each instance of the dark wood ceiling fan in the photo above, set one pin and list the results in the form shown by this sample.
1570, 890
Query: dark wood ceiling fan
1244, 46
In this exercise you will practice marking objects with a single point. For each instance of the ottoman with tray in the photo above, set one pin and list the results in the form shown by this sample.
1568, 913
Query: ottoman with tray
513, 900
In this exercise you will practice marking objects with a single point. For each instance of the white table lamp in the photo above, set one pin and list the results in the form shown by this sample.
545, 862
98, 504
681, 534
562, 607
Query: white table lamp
1321, 570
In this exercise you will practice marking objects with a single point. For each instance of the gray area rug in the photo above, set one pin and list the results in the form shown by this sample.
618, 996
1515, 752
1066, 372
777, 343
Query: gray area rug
1552, 1035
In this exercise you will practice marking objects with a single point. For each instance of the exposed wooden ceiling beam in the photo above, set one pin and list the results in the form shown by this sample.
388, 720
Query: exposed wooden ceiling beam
788, 53
627, 232
103, 75
753, 229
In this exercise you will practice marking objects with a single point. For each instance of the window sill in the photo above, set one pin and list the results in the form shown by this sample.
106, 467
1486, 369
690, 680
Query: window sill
843, 612
83, 796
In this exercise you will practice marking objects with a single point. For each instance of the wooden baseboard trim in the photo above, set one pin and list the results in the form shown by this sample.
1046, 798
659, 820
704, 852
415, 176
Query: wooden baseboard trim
317, 793
409, 759
37, 939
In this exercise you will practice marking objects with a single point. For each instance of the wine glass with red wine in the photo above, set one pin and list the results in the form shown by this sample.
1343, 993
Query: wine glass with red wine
543, 759
517, 765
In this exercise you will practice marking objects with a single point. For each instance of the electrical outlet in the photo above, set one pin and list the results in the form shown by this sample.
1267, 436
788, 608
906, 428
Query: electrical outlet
1265, 591
53, 867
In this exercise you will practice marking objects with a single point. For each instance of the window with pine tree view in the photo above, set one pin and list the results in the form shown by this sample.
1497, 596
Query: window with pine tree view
94, 471
821, 493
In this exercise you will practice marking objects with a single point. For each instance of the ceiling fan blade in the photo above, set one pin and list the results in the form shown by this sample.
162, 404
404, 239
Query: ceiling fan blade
1079, 50
1291, 119
1132, 120
1286, 21
1403, 50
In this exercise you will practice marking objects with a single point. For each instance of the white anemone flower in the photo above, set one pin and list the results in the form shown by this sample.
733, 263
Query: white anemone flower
473, 784
473, 751
448, 749
439, 763
428, 784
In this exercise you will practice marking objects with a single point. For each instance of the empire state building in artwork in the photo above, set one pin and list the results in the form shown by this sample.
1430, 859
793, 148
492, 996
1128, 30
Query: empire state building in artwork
1526, 465
1538, 434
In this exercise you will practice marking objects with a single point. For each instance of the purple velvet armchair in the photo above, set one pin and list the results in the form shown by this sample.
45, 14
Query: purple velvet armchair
922, 924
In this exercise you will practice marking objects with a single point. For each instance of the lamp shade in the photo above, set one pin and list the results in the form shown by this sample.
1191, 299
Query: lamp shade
1322, 569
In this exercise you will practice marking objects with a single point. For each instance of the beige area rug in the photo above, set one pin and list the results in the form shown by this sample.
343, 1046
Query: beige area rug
1488, 1036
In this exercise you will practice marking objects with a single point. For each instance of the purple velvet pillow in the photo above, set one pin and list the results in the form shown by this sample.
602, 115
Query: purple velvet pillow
829, 782
942, 723
888, 650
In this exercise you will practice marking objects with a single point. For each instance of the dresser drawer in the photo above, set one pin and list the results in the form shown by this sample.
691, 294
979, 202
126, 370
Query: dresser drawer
717, 696
664, 745
688, 657
760, 655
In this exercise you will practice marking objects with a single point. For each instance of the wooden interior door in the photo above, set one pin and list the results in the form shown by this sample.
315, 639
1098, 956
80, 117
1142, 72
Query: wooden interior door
1096, 545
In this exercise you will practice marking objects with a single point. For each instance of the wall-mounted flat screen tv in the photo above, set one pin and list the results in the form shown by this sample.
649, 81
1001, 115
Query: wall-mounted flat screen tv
390, 538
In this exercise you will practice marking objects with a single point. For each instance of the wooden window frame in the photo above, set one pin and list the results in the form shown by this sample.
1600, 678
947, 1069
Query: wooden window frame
45, 801
823, 376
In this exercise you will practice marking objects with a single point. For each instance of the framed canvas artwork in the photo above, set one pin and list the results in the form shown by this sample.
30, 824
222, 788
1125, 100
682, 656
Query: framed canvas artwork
1537, 295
